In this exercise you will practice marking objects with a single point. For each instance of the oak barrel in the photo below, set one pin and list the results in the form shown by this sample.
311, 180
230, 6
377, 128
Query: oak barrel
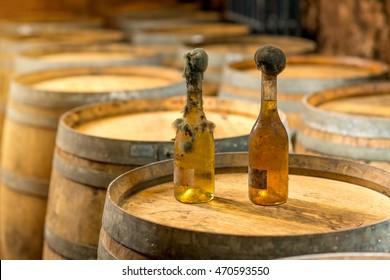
53, 21
224, 50
165, 18
79, 56
114, 14
351, 122
12, 44
334, 206
302, 75
97, 143
169, 37
36, 103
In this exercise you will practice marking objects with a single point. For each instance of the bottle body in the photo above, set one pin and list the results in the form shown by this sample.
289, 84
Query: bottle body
194, 158
268, 154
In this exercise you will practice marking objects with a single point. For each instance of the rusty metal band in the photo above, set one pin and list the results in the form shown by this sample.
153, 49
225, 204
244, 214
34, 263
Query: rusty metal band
32, 119
68, 249
82, 175
28, 185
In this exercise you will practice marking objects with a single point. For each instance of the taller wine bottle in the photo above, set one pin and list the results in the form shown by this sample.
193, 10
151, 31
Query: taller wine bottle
268, 140
194, 141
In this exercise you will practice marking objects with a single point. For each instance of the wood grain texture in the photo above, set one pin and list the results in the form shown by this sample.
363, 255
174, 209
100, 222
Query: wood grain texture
327, 211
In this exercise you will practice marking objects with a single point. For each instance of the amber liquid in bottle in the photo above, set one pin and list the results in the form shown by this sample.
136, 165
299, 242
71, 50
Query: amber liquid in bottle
194, 141
268, 148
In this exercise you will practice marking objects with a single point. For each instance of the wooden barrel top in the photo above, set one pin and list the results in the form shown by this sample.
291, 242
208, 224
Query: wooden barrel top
309, 73
166, 18
34, 22
142, 129
99, 83
249, 44
374, 104
46, 88
114, 51
187, 31
332, 204
91, 55
316, 205
350, 121
13, 43
361, 110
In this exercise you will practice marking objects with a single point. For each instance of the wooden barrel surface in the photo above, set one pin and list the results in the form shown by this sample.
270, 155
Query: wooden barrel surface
46, 22
351, 122
37, 100
114, 14
169, 37
302, 75
82, 56
165, 18
343, 256
10, 45
333, 206
97, 143
224, 50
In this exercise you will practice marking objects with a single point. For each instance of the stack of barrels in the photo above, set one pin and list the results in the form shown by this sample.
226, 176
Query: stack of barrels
87, 107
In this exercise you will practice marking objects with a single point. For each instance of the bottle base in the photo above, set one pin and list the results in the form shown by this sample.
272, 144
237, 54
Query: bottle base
267, 199
193, 196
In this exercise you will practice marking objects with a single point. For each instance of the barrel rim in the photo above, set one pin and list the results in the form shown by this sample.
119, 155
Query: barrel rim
343, 123
233, 75
22, 90
116, 47
46, 36
166, 30
308, 45
67, 132
35, 59
376, 179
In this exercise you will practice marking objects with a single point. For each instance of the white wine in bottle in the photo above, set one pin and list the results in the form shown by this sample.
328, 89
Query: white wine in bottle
268, 140
194, 141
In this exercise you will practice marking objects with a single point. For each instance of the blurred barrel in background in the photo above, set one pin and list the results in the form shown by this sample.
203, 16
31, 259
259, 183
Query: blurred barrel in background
113, 14
12, 44
348, 122
39, 22
302, 75
130, 23
170, 37
86, 55
36, 102
97, 143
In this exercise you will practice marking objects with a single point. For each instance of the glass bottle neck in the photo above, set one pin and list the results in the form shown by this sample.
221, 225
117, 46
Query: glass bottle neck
268, 94
268, 87
194, 94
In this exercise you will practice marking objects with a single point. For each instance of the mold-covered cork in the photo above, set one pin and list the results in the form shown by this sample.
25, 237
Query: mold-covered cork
270, 60
196, 62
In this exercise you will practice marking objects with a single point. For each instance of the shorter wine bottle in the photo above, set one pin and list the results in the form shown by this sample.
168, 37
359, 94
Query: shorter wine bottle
194, 141
268, 140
